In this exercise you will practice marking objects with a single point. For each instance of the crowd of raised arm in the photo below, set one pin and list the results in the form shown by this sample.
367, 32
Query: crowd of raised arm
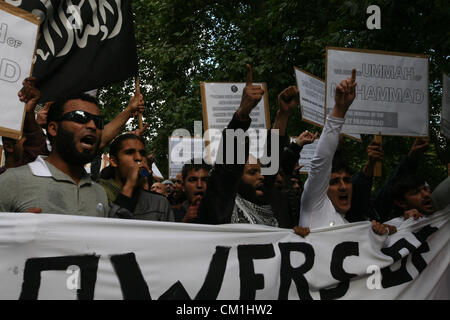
44, 170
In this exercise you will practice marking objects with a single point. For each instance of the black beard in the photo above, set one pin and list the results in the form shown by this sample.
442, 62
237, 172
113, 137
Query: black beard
248, 192
65, 146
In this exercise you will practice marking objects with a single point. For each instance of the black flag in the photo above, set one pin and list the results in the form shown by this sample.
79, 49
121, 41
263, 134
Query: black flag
82, 45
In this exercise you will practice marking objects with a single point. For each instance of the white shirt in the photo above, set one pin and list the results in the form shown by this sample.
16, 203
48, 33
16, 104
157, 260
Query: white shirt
317, 210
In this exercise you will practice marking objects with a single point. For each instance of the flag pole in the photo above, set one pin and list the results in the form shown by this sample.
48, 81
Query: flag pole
138, 91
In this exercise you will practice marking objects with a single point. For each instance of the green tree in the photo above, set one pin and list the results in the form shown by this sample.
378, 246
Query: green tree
181, 43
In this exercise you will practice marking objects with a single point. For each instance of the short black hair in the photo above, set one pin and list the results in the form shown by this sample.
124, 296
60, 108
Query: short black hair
403, 184
115, 146
7, 139
56, 109
339, 164
194, 164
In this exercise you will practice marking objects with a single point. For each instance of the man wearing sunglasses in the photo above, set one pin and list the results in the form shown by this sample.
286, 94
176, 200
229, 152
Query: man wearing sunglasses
58, 183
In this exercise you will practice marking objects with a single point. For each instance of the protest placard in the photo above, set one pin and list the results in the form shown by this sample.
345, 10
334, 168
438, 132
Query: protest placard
221, 100
182, 150
391, 92
445, 111
306, 155
18, 36
312, 100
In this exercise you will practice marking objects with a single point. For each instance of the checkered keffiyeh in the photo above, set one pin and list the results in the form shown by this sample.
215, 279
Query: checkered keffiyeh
248, 212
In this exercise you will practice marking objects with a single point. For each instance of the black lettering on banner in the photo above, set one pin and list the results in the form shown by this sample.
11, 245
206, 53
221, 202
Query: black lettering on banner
88, 265
394, 278
214, 278
288, 273
250, 282
340, 252
175, 292
422, 235
132, 282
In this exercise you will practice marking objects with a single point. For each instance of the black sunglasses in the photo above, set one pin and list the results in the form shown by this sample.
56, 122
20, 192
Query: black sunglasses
80, 116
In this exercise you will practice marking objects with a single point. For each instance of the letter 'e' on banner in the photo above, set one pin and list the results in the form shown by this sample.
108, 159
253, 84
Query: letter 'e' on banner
18, 37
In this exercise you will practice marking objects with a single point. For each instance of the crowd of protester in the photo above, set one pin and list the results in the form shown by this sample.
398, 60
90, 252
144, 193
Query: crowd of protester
45, 171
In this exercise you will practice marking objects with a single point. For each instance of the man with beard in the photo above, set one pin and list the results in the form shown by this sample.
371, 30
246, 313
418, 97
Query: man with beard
238, 192
58, 183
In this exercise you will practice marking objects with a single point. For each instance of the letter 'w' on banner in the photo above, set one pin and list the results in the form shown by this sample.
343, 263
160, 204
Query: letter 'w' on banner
83, 45
18, 35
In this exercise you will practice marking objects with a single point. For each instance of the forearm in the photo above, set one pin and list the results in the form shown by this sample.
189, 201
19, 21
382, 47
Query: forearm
113, 128
218, 202
281, 122
30, 124
317, 184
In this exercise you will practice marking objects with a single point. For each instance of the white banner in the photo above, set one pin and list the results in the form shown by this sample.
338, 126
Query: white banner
312, 100
391, 92
18, 32
68, 257
445, 112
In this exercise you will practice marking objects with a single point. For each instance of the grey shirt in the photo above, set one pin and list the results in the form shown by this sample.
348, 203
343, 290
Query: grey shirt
143, 205
41, 185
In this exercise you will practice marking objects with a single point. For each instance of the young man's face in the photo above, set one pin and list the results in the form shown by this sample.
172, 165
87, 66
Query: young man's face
252, 176
418, 198
195, 184
130, 155
340, 191
78, 143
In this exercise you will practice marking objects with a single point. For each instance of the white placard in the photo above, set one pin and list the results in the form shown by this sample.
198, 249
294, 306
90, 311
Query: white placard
445, 112
18, 34
221, 100
312, 99
49, 256
183, 149
156, 171
306, 155
391, 93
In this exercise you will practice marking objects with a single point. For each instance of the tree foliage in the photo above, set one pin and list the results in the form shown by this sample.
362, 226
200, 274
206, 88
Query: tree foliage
181, 43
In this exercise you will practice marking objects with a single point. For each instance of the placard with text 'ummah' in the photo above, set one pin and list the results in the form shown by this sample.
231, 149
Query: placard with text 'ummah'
391, 92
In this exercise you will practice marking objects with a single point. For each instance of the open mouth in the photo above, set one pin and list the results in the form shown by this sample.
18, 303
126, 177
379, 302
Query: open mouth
343, 197
260, 186
427, 203
200, 193
88, 142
